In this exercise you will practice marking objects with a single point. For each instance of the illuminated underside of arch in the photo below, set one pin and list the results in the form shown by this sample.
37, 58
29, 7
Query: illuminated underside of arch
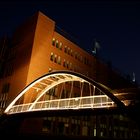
61, 90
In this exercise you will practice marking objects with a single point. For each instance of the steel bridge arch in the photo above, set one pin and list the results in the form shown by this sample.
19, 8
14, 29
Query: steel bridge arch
62, 76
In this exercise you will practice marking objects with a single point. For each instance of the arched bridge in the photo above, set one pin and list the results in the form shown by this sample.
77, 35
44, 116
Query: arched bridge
63, 90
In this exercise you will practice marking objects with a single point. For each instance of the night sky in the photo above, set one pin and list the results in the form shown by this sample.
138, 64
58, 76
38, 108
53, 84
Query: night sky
115, 25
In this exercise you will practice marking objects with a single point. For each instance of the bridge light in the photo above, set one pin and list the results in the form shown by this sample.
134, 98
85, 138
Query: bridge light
82, 80
76, 99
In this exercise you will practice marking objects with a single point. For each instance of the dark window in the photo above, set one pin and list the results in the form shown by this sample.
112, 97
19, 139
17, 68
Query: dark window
9, 69
65, 50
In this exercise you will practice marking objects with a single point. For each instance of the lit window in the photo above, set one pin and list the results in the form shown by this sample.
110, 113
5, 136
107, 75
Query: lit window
94, 131
59, 60
50, 69
64, 63
4, 104
101, 133
52, 56
71, 66
71, 53
53, 41
55, 58
60, 46
67, 64
57, 45
3, 96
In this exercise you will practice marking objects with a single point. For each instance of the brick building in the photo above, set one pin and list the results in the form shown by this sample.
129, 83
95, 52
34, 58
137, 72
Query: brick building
37, 47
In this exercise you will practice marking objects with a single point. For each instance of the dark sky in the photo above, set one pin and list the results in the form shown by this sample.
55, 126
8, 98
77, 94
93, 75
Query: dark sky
114, 24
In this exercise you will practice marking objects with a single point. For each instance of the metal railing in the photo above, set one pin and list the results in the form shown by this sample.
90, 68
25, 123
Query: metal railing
97, 101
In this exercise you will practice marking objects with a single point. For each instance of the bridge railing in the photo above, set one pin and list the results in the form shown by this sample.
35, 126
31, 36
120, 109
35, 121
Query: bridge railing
96, 101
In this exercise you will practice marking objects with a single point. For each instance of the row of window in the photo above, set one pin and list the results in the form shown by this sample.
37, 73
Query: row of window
57, 59
86, 129
56, 43
2, 104
70, 52
3, 100
4, 95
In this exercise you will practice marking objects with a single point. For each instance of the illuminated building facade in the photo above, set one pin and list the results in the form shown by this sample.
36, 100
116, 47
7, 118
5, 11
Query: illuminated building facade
39, 47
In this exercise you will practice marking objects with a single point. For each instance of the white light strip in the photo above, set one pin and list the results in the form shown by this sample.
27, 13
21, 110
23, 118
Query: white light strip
97, 105
40, 79
56, 79
62, 102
